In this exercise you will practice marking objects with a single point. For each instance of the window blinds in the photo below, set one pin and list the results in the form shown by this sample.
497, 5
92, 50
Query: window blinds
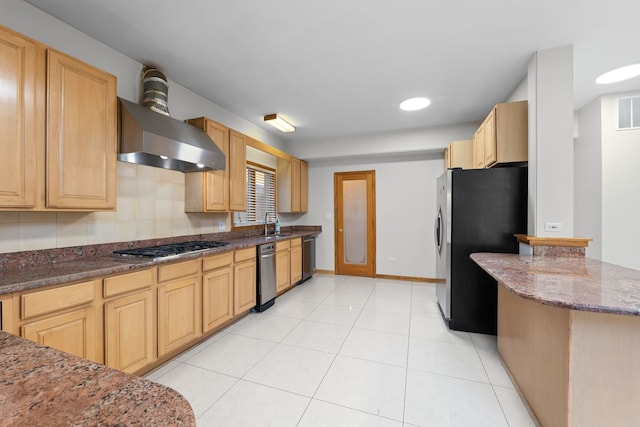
261, 198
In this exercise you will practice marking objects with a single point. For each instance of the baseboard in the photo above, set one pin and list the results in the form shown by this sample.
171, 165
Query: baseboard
406, 278
391, 277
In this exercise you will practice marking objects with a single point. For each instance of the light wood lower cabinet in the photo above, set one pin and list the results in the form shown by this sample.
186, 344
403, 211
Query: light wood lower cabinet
73, 332
129, 332
244, 281
296, 264
217, 291
6, 313
178, 314
283, 270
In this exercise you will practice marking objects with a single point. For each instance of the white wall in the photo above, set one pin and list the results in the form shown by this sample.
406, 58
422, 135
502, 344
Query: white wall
405, 211
150, 200
588, 177
551, 121
607, 207
620, 189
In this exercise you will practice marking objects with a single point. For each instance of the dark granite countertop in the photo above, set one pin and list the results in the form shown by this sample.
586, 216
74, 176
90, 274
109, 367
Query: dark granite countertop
576, 283
85, 268
43, 386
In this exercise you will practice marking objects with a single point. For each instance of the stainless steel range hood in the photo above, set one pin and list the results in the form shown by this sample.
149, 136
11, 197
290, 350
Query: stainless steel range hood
153, 139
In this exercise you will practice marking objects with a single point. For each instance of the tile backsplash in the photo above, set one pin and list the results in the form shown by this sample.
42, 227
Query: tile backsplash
150, 205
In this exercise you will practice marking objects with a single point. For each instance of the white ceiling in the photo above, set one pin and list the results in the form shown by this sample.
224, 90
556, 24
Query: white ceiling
340, 67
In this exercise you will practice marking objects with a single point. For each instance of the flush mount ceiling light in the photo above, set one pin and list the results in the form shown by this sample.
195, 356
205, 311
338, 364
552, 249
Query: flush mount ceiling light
279, 123
414, 104
619, 74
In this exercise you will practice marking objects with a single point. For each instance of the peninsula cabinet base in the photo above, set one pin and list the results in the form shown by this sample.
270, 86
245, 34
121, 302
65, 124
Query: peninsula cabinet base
574, 368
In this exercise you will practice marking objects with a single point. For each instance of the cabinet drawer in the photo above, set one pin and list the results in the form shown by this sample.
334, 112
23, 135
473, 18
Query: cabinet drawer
213, 262
296, 242
37, 303
285, 244
181, 269
245, 254
127, 282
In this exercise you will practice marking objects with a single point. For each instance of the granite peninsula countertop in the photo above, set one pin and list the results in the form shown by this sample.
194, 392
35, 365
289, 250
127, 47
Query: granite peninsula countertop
576, 283
84, 268
43, 386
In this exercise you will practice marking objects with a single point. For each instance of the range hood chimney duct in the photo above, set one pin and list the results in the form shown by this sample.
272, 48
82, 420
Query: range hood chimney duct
148, 136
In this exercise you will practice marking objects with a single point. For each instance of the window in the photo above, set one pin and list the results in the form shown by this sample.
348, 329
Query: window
261, 197
629, 112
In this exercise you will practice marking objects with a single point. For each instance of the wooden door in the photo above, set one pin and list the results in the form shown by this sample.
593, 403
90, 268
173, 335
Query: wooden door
81, 135
217, 184
355, 223
237, 171
244, 287
178, 314
129, 332
217, 298
73, 332
21, 118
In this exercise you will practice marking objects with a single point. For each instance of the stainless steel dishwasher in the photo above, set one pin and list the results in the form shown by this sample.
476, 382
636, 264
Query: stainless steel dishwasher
266, 283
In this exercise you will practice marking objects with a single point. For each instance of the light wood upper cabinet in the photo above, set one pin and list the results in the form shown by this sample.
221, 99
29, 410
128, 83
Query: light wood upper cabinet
237, 171
304, 186
209, 191
21, 118
292, 181
478, 148
459, 154
81, 135
503, 136
68, 160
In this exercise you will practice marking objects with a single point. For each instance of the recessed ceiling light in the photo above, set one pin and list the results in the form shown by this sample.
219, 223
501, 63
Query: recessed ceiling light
619, 74
414, 104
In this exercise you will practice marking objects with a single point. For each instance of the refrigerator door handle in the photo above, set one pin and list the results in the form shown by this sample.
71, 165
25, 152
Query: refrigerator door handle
437, 231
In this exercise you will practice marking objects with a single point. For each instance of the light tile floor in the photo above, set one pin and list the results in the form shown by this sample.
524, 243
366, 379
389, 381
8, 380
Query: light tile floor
347, 351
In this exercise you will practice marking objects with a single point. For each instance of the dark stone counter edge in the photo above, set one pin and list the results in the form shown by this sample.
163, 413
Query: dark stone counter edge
553, 302
91, 267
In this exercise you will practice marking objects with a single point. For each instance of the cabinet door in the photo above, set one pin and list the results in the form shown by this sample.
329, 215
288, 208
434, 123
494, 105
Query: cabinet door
237, 171
128, 328
244, 287
282, 270
81, 135
178, 314
73, 332
6, 313
296, 264
21, 118
217, 182
478, 148
295, 185
304, 186
489, 130
217, 298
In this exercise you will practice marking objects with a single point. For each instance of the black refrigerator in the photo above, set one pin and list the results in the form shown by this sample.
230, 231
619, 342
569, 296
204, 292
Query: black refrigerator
479, 210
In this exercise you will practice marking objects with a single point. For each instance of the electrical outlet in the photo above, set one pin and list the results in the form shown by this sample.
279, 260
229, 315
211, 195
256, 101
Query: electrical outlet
222, 226
392, 259
553, 226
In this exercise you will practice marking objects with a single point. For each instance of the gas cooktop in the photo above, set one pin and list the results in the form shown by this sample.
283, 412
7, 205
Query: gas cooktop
162, 251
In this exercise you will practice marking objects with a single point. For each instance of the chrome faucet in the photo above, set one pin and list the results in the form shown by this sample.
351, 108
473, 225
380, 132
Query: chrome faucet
266, 218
